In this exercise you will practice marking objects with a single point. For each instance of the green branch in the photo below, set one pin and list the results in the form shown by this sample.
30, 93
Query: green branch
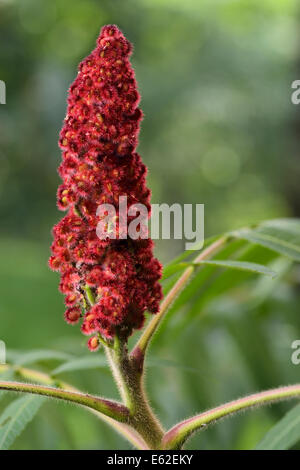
89, 294
130, 382
115, 356
123, 429
144, 341
109, 408
175, 437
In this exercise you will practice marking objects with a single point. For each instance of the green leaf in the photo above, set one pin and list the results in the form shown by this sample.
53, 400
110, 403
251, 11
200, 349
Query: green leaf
24, 358
279, 235
258, 245
15, 418
168, 271
241, 266
284, 434
88, 362
188, 253
210, 282
230, 264
204, 276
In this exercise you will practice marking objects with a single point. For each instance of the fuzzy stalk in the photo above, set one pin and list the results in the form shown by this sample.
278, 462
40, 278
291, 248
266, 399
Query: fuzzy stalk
176, 436
128, 374
109, 408
36, 376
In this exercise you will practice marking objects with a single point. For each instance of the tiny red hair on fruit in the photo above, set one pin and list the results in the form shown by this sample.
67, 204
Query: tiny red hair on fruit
100, 164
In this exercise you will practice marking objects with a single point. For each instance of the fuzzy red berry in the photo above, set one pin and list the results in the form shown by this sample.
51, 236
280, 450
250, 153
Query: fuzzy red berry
100, 164
72, 315
93, 343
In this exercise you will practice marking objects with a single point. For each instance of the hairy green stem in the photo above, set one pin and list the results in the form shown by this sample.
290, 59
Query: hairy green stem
175, 437
114, 360
123, 429
109, 408
145, 339
130, 380
89, 295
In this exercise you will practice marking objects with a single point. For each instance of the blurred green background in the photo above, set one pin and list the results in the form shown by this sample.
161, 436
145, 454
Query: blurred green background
219, 129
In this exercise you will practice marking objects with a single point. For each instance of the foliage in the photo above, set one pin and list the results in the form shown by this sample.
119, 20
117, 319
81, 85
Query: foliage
215, 81
134, 418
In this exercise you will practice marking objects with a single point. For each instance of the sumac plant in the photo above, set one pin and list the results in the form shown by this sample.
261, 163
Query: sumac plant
112, 285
